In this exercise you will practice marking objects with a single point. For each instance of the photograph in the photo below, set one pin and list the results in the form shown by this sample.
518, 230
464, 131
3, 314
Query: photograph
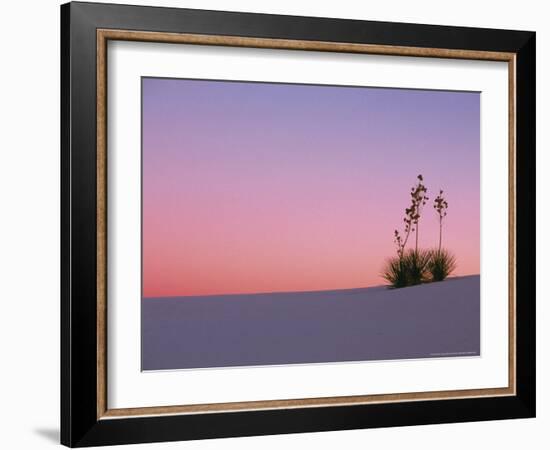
292, 223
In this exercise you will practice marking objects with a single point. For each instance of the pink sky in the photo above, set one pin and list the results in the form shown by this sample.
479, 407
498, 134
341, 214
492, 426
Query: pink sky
256, 187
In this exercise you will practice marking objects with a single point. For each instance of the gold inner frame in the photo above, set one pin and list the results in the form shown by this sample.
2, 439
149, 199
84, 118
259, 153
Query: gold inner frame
103, 36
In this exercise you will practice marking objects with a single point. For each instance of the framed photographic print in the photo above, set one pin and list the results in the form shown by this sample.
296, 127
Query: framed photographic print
278, 224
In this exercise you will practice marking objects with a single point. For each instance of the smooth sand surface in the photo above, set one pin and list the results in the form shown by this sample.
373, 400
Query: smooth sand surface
432, 320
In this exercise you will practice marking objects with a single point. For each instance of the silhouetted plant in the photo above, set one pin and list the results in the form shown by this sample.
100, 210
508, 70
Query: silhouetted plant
441, 264
416, 264
408, 270
440, 206
395, 272
419, 199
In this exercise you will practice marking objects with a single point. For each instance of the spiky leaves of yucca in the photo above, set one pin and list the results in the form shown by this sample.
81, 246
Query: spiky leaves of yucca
441, 264
408, 270
416, 266
395, 272
412, 215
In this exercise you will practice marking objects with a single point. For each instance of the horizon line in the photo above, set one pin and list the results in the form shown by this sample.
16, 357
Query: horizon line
374, 286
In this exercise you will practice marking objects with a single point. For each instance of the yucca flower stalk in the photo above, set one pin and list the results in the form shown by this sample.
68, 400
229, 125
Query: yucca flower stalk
419, 199
440, 206
412, 216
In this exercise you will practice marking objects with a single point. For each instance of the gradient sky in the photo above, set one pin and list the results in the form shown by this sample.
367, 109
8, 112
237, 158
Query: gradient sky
261, 187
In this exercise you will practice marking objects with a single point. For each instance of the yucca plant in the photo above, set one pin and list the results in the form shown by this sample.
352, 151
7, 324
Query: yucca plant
441, 264
416, 264
407, 270
395, 273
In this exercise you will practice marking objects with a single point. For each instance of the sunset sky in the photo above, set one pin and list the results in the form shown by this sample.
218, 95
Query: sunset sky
260, 187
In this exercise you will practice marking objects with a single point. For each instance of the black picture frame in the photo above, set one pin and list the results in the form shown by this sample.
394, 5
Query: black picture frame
80, 425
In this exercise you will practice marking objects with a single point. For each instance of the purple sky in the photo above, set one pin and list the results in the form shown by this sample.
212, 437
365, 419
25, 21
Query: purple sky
256, 187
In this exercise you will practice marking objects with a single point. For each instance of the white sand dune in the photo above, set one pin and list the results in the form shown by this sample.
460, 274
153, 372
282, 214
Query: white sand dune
365, 324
